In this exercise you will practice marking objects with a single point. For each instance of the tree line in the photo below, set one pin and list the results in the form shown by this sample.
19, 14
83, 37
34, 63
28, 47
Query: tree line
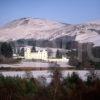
71, 87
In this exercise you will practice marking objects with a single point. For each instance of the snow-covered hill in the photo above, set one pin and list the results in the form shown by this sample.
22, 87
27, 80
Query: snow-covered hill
89, 32
29, 28
26, 28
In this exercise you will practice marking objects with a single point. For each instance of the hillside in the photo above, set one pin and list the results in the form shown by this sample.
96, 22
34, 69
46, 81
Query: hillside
34, 28
29, 28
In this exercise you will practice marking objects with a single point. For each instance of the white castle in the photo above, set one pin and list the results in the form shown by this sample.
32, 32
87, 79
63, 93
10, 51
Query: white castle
41, 54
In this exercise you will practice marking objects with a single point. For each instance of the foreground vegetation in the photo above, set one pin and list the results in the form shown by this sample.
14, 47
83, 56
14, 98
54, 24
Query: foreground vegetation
60, 88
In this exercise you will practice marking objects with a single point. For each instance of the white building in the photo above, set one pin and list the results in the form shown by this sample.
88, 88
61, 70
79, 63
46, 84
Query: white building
40, 54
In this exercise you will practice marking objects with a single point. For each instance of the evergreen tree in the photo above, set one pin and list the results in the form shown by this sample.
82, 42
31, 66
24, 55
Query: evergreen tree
22, 52
33, 49
58, 54
6, 50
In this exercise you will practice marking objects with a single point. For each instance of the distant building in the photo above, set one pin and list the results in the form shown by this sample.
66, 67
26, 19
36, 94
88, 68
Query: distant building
40, 54
46, 54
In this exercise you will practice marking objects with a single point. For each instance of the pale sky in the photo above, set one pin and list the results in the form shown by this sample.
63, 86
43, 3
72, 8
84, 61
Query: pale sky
67, 11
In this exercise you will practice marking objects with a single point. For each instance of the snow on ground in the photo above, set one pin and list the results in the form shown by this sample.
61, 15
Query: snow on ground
26, 64
45, 73
34, 64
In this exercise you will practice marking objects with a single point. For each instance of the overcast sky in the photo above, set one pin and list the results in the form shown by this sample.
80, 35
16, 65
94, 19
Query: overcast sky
67, 11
